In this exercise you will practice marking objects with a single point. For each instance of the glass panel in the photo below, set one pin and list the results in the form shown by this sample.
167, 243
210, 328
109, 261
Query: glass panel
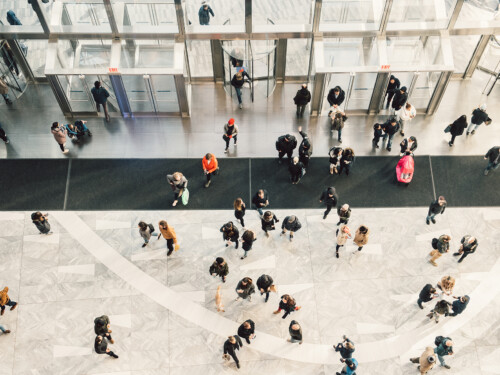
227, 13
477, 10
165, 93
138, 97
23, 12
420, 51
106, 83
362, 91
76, 93
10, 73
426, 14
362, 14
298, 52
491, 56
150, 15
463, 47
147, 54
86, 15
36, 51
200, 58
333, 80
95, 56
350, 52
424, 88
283, 12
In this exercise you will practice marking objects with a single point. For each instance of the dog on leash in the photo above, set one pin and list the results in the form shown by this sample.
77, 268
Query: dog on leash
218, 301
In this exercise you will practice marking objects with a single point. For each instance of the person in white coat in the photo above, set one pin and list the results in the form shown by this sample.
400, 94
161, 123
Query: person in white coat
405, 115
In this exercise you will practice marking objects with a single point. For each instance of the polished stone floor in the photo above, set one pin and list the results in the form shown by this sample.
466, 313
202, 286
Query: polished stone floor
163, 313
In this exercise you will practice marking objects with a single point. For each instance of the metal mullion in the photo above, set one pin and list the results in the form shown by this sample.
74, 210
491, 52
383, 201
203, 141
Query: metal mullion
111, 18
248, 16
42, 16
455, 14
385, 16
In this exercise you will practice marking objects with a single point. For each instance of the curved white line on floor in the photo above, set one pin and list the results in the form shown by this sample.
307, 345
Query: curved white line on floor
308, 353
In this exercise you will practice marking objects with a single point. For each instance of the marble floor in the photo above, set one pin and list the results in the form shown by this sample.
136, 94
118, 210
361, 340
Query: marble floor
163, 313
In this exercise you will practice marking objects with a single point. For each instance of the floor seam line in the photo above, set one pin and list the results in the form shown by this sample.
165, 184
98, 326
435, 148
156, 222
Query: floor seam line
67, 186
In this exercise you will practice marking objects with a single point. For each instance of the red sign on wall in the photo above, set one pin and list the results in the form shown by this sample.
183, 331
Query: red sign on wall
385, 67
113, 70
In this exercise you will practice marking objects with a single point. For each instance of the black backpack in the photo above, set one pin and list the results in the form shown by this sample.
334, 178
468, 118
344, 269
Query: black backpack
439, 339
435, 243
151, 228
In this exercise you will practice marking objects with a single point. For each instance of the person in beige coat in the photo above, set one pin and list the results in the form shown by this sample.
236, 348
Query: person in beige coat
361, 236
343, 234
426, 360
60, 134
447, 284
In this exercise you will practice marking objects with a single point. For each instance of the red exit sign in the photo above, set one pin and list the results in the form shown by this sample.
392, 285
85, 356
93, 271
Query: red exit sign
113, 70
385, 67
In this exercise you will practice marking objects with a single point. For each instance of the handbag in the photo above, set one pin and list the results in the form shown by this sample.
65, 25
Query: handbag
185, 196
488, 121
447, 129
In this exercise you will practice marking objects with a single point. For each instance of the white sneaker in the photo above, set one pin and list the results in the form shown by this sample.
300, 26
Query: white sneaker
241, 106
226, 151
65, 151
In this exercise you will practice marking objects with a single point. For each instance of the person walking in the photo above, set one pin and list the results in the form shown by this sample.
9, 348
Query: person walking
301, 99
442, 308
343, 234
330, 198
440, 246
168, 234
267, 222
468, 246
295, 331
232, 344
247, 330
60, 133
427, 294
245, 289
338, 119
3, 136
335, 155
41, 222
4, 91
399, 100
426, 361
288, 304
101, 347
247, 240
446, 285
285, 145
146, 231
361, 236
351, 364
219, 268
260, 200
479, 116
457, 128
305, 148
204, 13
265, 285
493, 157
230, 234
239, 210
443, 348
336, 97
344, 213
102, 328
210, 167
405, 115
4, 330
290, 223
436, 207
458, 306
408, 145
101, 96
178, 183
296, 169
345, 348
390, 127
346, 161
237, 82
392, 88
377, 134
6, 301
230, 131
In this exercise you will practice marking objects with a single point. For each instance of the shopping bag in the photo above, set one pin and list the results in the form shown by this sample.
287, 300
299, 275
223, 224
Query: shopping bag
447, 129
185, 196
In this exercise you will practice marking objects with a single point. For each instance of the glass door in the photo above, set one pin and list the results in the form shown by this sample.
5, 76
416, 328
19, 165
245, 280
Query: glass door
139, 95
164, 94
421, 92
77, 92
361, 91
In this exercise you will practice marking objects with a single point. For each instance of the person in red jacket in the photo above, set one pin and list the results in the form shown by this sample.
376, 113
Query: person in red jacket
210, 166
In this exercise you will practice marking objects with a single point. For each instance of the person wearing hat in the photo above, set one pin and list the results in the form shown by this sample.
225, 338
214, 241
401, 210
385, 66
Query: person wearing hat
219, 268
305, 148
344, 213
458, 306
426, 361
479, 116
237, 82
230, 131
301, 99
292, 224
330, 198
400, 98
285, 145
351, 364
204, 13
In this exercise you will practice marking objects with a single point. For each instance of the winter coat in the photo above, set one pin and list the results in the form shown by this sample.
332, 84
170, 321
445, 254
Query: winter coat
389, 129
435, 208
178, 186
241, 212
442, 245
295, 334
288, 307
245, 333
293, 226
258, 201
458, 307
336, 100
231, 235
393, 87
399, 99
458, 126
284, 146
302, 97
42, 225
295, 169
342, 236
4, 297
447, 285
305, 148
210, 166
442, 349
442, 307
230, 348
12, 18
248, 290
247, 241
146, 234
231, 131
344, 214
469, 248
361, 239
264, 282
334, 159
218, 269
377, 132
168, 233
404, 145
493, 155
100, 347
424, 363
346, 352
327, 200
59, 135
425, 294
239, 82
204, 15
100, 95
478, 116
347, 157
269, 225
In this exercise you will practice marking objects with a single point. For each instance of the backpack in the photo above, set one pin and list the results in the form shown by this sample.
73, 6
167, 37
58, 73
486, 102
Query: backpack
439, 339
435, 243
151, 228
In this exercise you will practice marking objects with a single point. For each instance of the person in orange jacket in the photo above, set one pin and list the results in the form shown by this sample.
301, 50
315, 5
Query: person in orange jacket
210, 166
169, 234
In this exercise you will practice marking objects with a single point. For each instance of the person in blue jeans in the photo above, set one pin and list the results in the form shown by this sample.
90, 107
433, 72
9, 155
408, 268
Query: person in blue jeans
493, 157
237, 82
443, 349
101, 96
351, 364
390, 127
436, 207
2, 328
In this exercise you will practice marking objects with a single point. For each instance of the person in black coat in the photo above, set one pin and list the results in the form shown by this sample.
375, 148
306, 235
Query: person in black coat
260, 200
346, 161
232, 344
285, 145
335, 155
344, 213
336, 96
219, 268
301, 99
392, 87
3, 136
330, 198
295, 331
264, 284
204, 13
247, 240
377, 133
288, 304
458, 306
457, 128
436, 207
493, 157
101, 347
479, 116
245, 289
345, 348
237, 82
101, 328
296, 169
427, 294
305, 148
292, 224
400, 98
390, 127
247, 330
408, 145
469, 246
267, 222
230, 234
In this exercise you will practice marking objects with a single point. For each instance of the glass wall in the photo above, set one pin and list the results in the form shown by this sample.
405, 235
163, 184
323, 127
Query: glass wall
297, 57
342, 52
351, 15
283, 12
463, 47
423, 14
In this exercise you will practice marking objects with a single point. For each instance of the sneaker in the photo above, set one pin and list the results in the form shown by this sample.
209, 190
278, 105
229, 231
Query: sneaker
389, 149
7, 141
467, 133
238, 365
456, 254
226, 150
427, 222
174, 203
114, 355
267, 234
207, 184
433, 221
324, 217
7, 331
241, 106
486, 172
446, 366
235, 143
291, 238
282, 233
144, 245
337, 255
451, 144
402, 133
65, 151
340, 140
473, 132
